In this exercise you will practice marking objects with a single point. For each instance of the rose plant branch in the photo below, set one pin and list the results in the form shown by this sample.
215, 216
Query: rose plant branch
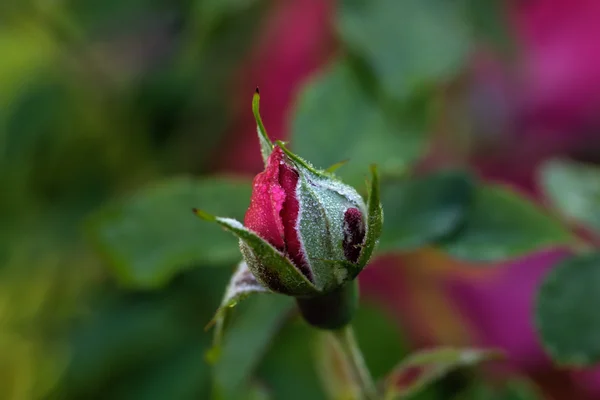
308, 235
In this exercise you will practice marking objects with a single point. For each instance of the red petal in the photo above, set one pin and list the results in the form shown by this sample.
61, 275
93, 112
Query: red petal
266, 203
288, 178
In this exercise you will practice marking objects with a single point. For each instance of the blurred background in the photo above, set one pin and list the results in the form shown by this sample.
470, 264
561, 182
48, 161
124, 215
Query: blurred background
118, 117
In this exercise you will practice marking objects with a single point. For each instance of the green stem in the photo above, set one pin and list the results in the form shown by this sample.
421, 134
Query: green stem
352, 352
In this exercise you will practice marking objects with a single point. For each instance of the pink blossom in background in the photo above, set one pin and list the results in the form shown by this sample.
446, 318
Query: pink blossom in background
501, 306
554, 107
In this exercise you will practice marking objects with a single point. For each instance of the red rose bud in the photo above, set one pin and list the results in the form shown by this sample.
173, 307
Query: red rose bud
314, 220
306, 234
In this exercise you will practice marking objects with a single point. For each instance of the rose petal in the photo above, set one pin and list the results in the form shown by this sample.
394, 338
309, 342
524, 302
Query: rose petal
266, 203
288, 179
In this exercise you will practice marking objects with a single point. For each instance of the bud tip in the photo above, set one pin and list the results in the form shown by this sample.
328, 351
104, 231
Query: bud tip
203, 214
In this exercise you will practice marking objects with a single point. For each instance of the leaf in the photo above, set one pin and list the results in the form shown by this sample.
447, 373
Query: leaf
212, 11
514, 389
566, 311
151, 235
423, 368
408, 44
246, 341
490, 23
281, 272
288, 367
332, 365
375, 219
421, 210
501, 224
574, 189
127, 340
334, 121
380, 355
241, 285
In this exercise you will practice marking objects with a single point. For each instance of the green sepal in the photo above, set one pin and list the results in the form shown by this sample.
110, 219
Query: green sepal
266, 146
374, 221
330, 311
241, 285
336, 166
270, 267
302, 162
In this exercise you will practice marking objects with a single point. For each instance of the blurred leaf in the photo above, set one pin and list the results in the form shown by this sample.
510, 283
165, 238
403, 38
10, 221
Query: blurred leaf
212, 10
128, 340
25, 51
257, 391
502, 224
150, 236
574, 189
409, 44
425, 367
380, 339
566, 314
246, 341
381, 354
514, 389
334, 370
421, 210
490, 23
336, 121
288, 367
241, 285
182, 375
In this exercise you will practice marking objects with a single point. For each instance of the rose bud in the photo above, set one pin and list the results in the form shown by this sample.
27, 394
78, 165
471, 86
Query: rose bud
305, 234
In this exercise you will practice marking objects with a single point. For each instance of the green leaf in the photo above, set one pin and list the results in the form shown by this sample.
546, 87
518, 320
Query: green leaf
381, 355
408, 44
425, 367
566, 311
151, 235
375, 219
246, 341
288, 367
421, 210
241, 285
514, 389
574, 189
501, 224
490, 24
333, 368
138, 342
258, 252
334, 121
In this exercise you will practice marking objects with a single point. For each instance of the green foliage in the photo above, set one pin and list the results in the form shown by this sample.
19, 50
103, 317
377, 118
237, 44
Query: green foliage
501, 224
574, 189
514, 389
410, 44
421, 369
136, 234
336, 121
490, 23
566, 315
246, 341
422, 210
